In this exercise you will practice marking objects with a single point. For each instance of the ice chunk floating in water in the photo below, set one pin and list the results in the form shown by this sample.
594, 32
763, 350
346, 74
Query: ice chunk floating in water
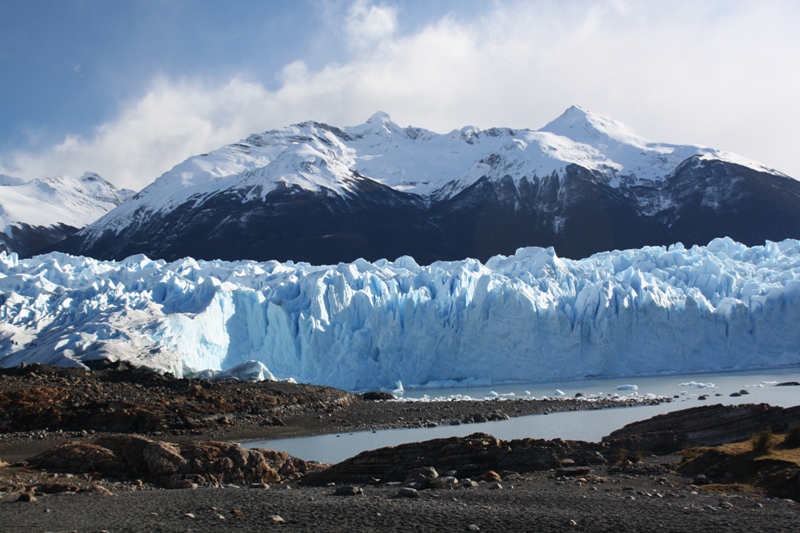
361, 325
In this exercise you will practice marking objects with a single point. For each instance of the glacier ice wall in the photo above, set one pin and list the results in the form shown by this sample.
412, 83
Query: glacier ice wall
361, 325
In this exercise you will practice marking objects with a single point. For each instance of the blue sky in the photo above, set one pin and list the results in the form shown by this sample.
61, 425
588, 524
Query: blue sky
130, 88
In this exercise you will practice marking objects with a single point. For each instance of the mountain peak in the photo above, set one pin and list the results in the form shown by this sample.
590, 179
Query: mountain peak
317, 193
576, 110
574, 118
583, 126
38, 213
379, 123
379, 117
91, 176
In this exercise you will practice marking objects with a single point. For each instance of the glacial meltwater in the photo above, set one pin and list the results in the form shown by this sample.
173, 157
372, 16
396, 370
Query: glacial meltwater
762, 386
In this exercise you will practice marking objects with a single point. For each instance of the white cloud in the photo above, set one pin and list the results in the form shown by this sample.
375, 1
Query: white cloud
171, 122
368, 25
721, 74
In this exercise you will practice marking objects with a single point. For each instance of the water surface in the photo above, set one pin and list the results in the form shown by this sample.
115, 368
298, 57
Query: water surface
578, 425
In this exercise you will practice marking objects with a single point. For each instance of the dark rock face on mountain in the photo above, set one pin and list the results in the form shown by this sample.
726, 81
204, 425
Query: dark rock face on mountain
578, 216
582, 215
290, 223
315, 193
26, 240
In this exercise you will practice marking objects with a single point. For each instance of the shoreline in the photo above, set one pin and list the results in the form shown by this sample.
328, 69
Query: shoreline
356, 417
603, 493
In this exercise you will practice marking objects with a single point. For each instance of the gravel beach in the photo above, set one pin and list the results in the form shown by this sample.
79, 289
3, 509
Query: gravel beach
606, 501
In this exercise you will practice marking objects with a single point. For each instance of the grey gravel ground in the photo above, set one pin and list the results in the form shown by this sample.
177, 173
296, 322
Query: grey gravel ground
537, 502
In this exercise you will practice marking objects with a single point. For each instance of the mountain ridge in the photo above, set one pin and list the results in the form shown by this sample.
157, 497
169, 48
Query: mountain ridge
41, 212
312, 192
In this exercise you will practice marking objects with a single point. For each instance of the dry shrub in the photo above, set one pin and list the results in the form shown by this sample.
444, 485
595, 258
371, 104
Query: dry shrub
792, 439
763, 442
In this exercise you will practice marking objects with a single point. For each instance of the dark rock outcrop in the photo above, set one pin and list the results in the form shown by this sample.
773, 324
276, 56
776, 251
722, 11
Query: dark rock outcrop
118, 398
173, 465
470, 456
709, 425
579, 215
26, 240
377, 396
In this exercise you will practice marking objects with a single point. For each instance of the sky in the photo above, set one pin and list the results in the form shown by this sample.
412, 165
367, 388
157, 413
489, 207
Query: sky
130, 89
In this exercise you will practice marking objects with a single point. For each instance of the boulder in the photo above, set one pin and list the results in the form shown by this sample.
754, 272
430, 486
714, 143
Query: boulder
348, 490
376, 396
468, 457
173, 465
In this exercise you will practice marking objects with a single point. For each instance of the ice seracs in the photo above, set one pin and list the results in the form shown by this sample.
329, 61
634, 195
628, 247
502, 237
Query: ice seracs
372, 325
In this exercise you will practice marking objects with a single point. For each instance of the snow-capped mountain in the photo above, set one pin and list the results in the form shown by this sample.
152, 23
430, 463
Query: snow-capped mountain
41, 212
312, 192
361, 325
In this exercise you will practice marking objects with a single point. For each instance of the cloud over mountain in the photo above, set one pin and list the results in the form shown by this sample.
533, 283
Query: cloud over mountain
717, 70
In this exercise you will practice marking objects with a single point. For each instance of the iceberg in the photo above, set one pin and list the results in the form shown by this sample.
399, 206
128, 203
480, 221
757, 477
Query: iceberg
247, 371
532, 316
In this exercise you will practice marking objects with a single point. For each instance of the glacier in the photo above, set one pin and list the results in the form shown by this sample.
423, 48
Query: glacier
531, 316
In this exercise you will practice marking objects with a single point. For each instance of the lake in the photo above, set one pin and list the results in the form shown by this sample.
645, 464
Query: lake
578, 425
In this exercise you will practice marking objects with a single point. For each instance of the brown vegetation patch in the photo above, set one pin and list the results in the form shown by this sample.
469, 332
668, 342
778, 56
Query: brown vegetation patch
746, 463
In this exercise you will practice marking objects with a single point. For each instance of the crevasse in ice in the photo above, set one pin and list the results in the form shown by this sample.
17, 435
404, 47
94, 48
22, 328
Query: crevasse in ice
361, 325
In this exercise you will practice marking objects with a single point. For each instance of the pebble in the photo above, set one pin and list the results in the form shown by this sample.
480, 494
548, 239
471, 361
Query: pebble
348, 491
407, 492
277, 519
491, 475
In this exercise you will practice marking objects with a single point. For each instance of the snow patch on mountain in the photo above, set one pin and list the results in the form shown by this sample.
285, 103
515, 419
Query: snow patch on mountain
49, 202
637, 161
361, 325
6, 180
319, 157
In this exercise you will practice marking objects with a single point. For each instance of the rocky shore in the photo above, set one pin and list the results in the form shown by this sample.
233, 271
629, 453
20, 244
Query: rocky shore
42, 406
143, 452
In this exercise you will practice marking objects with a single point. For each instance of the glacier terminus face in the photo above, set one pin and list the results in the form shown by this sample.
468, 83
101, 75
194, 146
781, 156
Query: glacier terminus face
361, 325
